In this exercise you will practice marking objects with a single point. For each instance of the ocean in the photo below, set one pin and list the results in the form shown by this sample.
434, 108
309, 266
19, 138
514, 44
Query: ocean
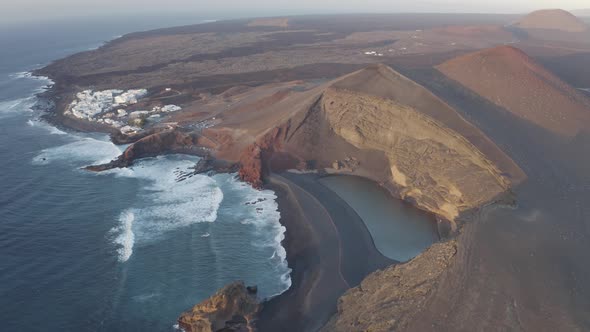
125, 250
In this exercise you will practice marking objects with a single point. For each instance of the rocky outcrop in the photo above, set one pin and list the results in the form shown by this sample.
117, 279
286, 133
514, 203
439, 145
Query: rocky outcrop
165, 142
387, 300
231, 309
253, 161
251, 166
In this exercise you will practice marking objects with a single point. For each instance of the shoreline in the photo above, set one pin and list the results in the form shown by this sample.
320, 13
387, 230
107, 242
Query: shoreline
326, 260
329, 250
313, 246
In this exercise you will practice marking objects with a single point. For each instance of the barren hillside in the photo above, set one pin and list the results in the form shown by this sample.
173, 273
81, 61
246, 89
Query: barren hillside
552, 19
511, 79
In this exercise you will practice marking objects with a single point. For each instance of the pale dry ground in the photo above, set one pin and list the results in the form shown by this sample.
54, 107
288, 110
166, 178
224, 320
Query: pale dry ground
270, 22
190, 56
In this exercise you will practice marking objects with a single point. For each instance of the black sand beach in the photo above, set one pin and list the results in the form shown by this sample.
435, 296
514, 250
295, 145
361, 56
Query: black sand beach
328, 247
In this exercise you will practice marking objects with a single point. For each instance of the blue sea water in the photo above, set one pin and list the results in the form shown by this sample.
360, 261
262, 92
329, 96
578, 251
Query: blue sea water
128, 250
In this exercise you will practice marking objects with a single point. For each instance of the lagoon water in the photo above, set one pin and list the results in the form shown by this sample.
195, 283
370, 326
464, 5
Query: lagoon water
399, 231
128, 250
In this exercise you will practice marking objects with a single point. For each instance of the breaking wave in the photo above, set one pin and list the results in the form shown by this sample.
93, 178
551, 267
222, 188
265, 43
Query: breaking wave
80, 151
172, 196
260, 209
11, 107
125, 237
23, 105
38, 123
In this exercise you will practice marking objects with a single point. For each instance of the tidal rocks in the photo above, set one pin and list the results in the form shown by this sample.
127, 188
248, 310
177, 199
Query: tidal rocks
231, 309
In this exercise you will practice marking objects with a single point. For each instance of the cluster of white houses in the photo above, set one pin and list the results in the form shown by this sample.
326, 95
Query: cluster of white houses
373, 53
109, 107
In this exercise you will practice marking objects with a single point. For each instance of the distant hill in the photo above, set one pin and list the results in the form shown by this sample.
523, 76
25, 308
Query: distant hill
582, 12
511, 79
552, 19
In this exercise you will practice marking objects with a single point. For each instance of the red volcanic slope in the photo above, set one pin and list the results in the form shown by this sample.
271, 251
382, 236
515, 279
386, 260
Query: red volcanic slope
511, 79
552, 19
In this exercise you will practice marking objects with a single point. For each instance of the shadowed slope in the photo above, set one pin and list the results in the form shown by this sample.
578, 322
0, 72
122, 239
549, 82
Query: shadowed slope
511, 79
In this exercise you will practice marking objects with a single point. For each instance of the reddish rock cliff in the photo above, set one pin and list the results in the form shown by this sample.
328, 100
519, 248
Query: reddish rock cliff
254, 160
230, 309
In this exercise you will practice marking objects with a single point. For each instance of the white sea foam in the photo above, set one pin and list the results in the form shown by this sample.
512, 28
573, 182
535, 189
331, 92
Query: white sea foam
12, 107
81, 151
176, 327
20, 75
38, 123
170, 198
146, 297
125, 237
174, 200
263, 214
24, 105
27, 75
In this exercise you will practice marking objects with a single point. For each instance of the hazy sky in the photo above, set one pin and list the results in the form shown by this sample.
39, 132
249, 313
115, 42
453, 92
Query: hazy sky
34, 9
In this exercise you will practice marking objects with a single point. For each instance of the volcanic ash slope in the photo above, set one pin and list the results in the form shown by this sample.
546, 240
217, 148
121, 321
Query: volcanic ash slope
511, 79
552, 19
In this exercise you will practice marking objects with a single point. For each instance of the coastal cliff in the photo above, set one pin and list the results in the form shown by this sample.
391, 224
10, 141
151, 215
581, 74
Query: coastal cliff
231, 309
252, 169
159, 143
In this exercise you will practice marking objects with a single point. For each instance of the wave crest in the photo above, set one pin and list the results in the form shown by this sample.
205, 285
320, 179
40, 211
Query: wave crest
125, 238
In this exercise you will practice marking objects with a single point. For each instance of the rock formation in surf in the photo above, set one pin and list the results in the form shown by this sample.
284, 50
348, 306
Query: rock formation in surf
230, 309
511, 79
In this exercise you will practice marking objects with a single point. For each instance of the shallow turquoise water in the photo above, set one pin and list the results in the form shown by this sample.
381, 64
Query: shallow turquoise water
399, 230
